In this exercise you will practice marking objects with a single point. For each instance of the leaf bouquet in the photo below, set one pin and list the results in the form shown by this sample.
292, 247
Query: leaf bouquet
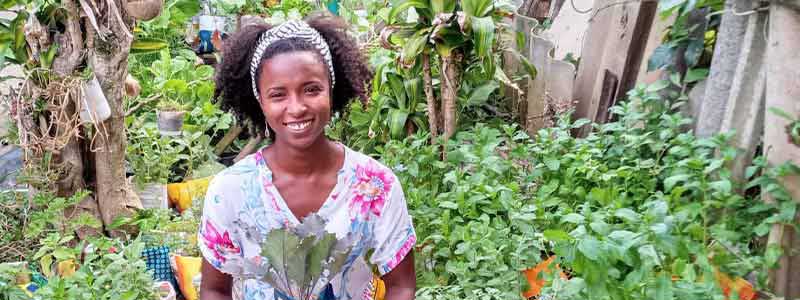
302, 260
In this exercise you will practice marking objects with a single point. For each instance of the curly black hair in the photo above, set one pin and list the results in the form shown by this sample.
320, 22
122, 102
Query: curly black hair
233, 86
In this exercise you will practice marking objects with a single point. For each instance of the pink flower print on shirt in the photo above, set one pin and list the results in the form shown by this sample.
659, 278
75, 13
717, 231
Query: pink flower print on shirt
220, 244
371, 186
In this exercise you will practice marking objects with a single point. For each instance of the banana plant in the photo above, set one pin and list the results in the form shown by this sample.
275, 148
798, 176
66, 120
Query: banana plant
457, 32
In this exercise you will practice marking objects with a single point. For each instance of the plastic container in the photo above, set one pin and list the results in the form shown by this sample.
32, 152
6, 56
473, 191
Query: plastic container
95, 107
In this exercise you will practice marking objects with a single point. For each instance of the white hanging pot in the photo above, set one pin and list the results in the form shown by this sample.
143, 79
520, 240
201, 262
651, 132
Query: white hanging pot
95, 107
144, 10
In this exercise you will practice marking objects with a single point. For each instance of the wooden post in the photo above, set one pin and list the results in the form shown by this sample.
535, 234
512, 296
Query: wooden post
783, 91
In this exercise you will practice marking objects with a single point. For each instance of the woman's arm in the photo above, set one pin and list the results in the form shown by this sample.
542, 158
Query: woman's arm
215, 284
401, 282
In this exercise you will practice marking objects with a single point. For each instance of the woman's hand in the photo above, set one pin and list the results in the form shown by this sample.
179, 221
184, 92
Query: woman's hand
401, 282
215, 284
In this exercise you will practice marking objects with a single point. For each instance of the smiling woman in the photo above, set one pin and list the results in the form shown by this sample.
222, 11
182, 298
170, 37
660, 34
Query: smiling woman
286, 81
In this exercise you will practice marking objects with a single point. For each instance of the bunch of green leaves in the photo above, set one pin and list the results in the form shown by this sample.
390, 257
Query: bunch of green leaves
49, 214
177, 82
639, 209
302, 260
289, 10
470, 27
169, 26
471, 212
13, 46
161, 227
103, 273
9, 278
150, 155
178, 78
680, 38
396, 106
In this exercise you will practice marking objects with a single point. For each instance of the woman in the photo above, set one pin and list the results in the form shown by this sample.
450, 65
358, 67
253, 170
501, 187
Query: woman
287, 81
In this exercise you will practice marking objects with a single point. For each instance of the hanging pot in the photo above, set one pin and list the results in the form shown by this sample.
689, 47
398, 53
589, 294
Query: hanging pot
170, 123
144, 10
95, 105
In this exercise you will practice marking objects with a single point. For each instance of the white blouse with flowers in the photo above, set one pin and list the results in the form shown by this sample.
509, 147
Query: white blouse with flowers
242, 206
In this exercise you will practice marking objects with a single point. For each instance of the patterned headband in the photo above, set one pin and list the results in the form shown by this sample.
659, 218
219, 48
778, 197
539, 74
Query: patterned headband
290, 29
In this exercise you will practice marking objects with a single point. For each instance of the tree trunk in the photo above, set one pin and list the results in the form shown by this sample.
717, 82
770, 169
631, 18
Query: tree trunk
109, 60
450, 72
433, 111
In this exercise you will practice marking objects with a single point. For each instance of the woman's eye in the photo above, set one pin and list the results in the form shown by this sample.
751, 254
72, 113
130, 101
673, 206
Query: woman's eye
313, 90
275, 95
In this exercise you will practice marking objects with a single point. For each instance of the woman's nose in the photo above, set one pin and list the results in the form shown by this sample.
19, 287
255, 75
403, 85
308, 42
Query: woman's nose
297, 106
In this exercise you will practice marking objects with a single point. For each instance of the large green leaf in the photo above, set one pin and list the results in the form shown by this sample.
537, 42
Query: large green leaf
398, 90
480, 94
397, 122
319, 253
404, 6
443, 6
183, 10
447, 40
3, 50
277, 246
477, 8
414, 91
147, 45
483, 36
413, 47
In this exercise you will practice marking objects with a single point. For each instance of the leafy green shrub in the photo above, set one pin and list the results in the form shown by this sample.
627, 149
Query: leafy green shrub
639, 209
103, 273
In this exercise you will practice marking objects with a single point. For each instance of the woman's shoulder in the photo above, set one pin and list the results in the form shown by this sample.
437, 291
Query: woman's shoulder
246, 168
362, 161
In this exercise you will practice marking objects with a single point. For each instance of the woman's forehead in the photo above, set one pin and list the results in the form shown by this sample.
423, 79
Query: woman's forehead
292, 66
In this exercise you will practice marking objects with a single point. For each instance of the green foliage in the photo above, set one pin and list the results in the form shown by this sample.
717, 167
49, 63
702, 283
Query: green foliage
13, 46
151, 156
178, 83
170, 25
9, 278
102, 274
639, 209
680, 40
161, 227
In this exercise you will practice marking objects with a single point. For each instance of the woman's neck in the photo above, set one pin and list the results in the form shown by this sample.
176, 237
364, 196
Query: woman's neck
322, 155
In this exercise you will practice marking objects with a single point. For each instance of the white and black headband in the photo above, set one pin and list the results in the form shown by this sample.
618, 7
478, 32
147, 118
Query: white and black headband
287, 30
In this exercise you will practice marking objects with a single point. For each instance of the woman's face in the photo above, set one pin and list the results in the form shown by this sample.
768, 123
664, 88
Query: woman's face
295, 97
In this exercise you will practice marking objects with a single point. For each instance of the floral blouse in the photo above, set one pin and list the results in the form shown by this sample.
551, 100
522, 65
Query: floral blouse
242, 206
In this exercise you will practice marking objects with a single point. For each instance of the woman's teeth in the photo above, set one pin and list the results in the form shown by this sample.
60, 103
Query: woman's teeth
298, 125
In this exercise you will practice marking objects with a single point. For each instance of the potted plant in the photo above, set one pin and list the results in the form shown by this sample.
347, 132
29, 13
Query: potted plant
170, 117
151, 158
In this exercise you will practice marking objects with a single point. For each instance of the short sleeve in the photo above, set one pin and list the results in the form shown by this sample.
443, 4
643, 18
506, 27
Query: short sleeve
218, 239
394, 235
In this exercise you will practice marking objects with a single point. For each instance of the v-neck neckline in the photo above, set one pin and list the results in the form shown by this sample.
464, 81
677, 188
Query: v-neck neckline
280, 202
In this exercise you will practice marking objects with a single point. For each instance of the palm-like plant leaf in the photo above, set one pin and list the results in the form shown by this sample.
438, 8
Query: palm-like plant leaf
483, 36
